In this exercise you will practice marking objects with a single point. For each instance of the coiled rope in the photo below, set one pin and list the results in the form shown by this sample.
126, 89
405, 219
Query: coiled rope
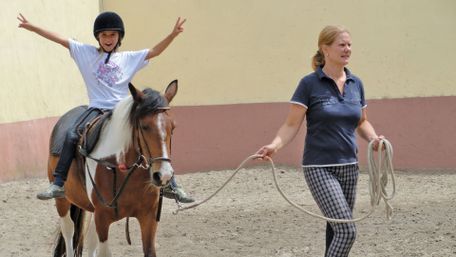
379, 170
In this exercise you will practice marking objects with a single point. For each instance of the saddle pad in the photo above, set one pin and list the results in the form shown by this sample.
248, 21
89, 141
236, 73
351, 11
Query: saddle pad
93, 134
63, 125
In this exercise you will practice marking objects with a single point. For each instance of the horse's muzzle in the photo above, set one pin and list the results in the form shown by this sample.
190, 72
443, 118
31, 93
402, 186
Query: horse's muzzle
163, 175
160, 179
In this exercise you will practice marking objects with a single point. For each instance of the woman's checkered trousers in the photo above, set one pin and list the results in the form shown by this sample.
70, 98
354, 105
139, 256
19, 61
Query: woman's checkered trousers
334, 190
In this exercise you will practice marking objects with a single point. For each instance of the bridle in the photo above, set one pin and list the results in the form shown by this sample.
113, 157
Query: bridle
148, 161
141, 162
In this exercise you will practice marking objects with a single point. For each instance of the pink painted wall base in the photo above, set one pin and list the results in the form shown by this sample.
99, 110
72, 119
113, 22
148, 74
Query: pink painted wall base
220, 137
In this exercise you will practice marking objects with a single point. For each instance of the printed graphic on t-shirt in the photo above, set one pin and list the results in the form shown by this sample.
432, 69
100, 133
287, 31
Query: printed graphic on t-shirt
109, 73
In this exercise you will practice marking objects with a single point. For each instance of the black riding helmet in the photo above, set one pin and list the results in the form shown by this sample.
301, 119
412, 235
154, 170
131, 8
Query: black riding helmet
109, 21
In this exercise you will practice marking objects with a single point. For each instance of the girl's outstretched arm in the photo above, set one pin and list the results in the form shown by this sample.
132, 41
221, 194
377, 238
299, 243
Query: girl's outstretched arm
24, 23
160, 47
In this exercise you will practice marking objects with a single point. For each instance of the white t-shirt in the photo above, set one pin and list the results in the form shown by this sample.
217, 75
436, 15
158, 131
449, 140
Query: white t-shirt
106, 84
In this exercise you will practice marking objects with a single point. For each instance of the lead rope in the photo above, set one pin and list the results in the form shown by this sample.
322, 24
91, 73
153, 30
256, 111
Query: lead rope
379, 173
378, 180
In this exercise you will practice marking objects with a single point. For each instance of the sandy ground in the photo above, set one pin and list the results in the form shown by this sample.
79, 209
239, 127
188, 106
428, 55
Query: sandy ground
250, 218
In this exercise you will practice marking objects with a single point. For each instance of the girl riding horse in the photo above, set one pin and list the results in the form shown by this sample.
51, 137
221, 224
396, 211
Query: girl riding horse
138, 135
106, 73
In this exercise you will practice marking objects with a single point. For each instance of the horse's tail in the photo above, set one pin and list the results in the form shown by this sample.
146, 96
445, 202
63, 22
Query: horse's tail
77, 216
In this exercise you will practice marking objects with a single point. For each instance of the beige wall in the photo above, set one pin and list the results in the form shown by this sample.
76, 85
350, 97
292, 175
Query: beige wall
235, 52
249, 51
238, 51
39, 78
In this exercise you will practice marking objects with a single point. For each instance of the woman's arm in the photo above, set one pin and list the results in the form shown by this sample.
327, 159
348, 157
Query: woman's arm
367, 131
24, 23
160, 47
286, 132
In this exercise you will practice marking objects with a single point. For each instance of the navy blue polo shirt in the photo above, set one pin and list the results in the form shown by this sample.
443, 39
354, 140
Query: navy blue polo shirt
332, 118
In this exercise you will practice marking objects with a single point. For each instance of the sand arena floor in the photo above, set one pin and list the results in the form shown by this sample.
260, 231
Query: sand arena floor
250, 218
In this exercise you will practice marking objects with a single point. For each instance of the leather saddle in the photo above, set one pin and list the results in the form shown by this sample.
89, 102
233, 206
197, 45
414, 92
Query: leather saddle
88, 136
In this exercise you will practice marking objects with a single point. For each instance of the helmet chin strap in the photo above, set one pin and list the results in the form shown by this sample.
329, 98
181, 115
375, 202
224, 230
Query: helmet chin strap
110, 52
109, 56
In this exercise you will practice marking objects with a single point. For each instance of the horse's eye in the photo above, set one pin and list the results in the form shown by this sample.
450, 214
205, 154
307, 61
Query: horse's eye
145, 127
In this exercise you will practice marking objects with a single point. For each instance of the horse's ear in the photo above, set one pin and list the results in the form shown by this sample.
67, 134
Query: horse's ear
137, 95
171, 90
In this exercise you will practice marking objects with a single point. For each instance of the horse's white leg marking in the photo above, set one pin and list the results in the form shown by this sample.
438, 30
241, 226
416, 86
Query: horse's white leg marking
91, 236
92, 168
103, 249
166, 170
67, 229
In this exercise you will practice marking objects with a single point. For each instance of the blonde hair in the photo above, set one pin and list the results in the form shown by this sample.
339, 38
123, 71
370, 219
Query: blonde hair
327, 36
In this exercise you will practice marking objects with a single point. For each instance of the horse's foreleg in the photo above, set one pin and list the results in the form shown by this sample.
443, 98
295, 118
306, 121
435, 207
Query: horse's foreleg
102, 226
148, 226
91, 236
67, 229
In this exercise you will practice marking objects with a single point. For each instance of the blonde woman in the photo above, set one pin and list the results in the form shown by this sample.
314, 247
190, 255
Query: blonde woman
331, 99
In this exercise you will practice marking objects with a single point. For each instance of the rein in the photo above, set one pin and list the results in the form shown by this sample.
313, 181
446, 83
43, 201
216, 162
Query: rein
378, 179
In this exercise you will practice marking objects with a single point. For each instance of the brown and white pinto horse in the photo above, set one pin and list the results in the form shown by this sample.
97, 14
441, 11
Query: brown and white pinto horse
137, 138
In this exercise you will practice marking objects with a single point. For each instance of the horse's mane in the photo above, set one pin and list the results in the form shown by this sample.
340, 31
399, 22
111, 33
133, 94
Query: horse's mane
116, 136
152, 102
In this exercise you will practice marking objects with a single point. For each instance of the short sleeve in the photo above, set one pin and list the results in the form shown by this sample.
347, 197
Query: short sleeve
301, 95
78, 49
81, 53
361, 93
137, 59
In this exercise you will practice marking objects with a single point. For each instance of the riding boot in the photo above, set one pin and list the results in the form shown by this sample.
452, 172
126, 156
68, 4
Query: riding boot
53, 191
176, 192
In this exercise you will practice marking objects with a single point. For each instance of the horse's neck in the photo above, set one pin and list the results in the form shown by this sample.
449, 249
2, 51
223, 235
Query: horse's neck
116, 135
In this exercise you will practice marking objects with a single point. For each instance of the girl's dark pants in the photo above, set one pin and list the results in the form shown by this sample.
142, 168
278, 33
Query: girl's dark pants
69, 145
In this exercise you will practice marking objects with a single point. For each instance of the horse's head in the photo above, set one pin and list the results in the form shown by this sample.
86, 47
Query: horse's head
153, 127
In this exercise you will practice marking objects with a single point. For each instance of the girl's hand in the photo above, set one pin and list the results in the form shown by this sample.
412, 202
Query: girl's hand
178, 28
24, 23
